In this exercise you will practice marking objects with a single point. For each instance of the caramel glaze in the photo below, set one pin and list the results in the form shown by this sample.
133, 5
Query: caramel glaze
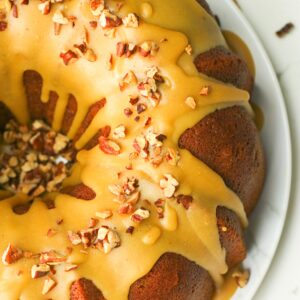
30, 43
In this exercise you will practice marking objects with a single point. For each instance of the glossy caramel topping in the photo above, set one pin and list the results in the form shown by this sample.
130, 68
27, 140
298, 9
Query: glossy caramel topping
30, 43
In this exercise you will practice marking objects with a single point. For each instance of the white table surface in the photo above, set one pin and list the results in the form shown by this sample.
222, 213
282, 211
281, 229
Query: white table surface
267, 16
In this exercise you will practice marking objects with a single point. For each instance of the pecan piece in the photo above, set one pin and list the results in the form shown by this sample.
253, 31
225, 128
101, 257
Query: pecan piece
108, 146
11, 255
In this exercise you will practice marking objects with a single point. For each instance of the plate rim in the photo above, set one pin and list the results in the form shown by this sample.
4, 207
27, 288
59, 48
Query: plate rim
241, 18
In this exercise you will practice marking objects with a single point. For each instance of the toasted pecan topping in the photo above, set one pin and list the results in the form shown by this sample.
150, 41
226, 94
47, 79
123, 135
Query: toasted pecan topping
160, 207
51, 258
104, 214
68, 57
185, 200
285, 29
126, 194
3, 25
102, 238
11, 255
189, 49
190, 102
40, 270
148, 48
35, 160
70, 267
119, 132
140, 214
168, 184
109, 20
205, 90
97, 6
45, 7
49, 284
108, 146
131, 20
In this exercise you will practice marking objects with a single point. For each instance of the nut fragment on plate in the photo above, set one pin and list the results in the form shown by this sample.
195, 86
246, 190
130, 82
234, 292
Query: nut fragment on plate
241, 277
287, 28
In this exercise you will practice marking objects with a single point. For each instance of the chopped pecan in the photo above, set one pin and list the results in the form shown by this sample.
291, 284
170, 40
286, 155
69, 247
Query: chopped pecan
93, 222
128, 112
70, 267
97, 6
38, 271
68, 57
130, 230
168, 185
45, 7
190, 102
140, 214
104, 214
119, 132
131, 20
3, 25
189, 49
74, 238
49, 284
108, 146
205, 90
51, 258
185, 200
109, 20
11, 255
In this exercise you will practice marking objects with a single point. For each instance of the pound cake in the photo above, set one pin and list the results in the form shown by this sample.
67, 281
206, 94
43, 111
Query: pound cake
130, 160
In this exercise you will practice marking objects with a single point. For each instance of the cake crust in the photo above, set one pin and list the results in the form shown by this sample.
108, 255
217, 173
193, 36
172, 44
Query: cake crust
228, 142
226, 66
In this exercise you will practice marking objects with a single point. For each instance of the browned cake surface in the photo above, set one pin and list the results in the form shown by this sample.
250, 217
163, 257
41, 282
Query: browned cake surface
173, 277
5, 115
205, 5
224, 65
228, 142
231, 236
84, 289
80, 191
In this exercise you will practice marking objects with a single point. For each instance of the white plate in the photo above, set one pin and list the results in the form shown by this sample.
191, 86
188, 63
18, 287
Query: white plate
268, 219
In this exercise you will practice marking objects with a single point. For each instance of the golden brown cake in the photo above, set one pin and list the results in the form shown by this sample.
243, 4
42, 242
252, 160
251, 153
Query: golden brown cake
130, 160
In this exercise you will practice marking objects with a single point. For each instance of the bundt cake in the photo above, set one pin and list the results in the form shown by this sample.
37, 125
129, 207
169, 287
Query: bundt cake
129, 160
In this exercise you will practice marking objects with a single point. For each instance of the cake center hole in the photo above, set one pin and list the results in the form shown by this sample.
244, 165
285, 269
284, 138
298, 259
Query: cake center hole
34, 159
